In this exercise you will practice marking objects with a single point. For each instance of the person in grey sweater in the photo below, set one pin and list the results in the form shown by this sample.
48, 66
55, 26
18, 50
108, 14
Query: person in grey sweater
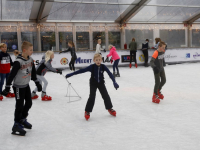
133, 50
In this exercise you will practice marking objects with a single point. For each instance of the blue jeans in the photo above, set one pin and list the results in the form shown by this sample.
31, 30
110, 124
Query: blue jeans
115, 65
2, 78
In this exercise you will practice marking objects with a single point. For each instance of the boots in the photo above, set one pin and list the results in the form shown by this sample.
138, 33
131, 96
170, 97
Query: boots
26, 124
155, 98
135, 65
130, 65
87, 115
160, 96
18, 129
45, 97
34, 95
117, 75
112, 112
1, 97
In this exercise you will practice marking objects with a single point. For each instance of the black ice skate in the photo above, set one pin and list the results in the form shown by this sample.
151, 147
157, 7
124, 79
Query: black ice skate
18, 129
26, 124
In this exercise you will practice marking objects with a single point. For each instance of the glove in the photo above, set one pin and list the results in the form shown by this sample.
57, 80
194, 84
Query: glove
116, 85
111, 60
104, 50
39, 86
156, 70
6, 91
59, 71
68, 75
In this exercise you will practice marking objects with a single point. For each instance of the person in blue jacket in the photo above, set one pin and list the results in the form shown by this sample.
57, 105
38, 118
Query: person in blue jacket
97, 81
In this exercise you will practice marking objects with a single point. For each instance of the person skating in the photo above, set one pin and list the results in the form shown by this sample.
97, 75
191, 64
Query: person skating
133, 51
157, 62
22, 72
73, 54
5, 65
145, 47
116, 59
97, 81
42, 68
98, 47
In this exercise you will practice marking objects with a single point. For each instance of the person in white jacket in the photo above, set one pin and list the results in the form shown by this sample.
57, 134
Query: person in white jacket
98, 47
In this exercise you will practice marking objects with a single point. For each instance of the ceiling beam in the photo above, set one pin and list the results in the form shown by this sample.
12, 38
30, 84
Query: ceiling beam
44, 10
130, 12
192, 19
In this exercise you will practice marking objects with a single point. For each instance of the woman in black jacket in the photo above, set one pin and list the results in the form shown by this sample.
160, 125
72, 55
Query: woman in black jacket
73, 54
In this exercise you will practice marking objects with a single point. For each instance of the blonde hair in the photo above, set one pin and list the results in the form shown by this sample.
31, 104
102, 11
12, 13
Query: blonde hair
97, 55
2, 45
110, 46
99, 40
26, 45
48, 55
16, 52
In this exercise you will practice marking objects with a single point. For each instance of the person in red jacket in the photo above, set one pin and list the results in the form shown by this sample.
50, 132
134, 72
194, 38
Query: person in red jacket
5, 65
116, 58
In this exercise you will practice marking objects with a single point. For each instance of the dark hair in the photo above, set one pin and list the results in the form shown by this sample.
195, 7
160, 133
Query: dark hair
147, 40
133, 39
72, 43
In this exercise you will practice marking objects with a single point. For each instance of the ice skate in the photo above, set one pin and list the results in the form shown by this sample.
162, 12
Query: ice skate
26, 124
18, 129
117, 75
160, 96
34, 95
87, 115
45, 97
135, 65
10, 95
155, 99
112, 112
1, 97
114, 74
130, 65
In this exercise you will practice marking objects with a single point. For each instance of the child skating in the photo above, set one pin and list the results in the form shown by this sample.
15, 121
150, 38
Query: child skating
97, 81
73, 54
157, 62
5, 65
116, 59
42, 68
22, 72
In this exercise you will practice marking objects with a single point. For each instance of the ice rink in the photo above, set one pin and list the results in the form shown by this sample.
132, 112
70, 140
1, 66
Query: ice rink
139, 125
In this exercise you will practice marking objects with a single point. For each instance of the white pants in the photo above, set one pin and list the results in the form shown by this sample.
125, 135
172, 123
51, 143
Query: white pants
42, 79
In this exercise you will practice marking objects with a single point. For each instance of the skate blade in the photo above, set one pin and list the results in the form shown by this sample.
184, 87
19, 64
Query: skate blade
18, 133
27, 127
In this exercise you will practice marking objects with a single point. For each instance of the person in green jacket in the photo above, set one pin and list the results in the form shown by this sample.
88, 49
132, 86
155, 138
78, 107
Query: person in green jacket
133, 50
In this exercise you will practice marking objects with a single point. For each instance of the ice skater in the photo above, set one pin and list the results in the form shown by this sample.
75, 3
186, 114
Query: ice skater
42, 68
133, 51
73, 54
22, 72
98, 47
157, 62
97, 81
5, 65
116, 59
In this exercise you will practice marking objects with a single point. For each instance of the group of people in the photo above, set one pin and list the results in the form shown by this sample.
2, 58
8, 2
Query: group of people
23, 70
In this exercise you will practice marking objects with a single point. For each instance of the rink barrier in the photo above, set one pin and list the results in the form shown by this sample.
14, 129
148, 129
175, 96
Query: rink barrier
85, 58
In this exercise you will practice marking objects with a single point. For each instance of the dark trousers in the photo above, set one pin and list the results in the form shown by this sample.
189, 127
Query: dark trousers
133, 56
159, 84
3, 76
102, 89
21, 109
115, 65
71, 64
146, 56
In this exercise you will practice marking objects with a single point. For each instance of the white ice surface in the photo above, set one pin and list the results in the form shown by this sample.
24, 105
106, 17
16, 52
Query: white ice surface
174, 124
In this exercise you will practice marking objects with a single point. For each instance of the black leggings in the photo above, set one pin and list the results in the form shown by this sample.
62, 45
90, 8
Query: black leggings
160, 80
133, 56
104, 93
71, 64
21, 109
